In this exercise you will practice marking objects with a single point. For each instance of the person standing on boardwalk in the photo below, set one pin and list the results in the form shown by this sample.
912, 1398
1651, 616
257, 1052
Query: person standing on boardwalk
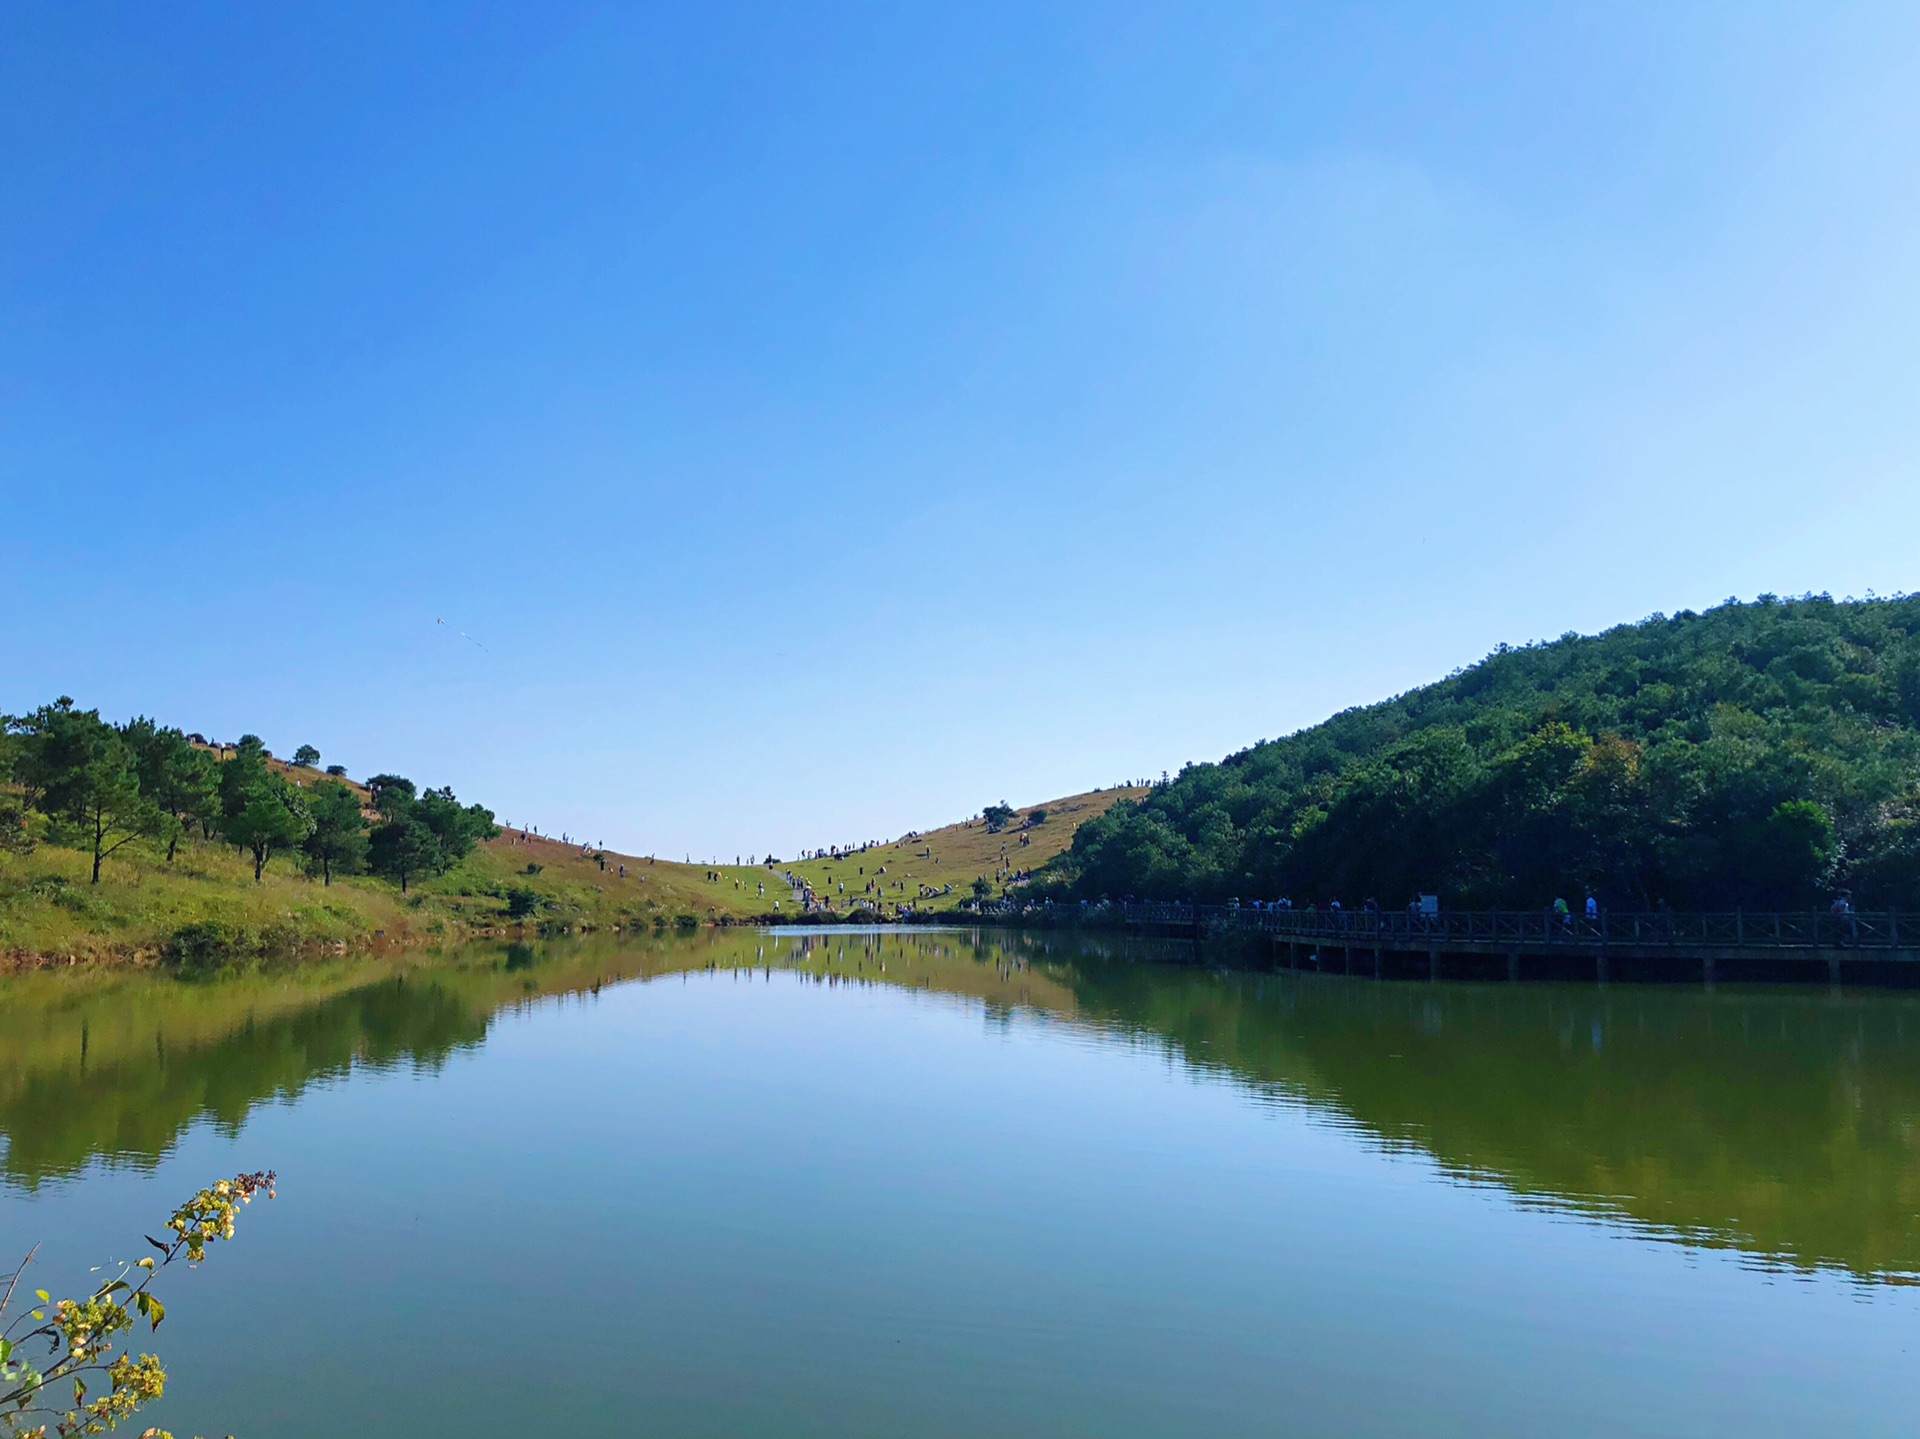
1843, 911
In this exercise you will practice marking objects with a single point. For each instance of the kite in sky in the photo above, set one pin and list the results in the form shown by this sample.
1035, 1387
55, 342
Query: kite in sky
467, 637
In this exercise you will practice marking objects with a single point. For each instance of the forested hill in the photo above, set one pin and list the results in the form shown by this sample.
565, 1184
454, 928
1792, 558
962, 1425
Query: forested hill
1758, 755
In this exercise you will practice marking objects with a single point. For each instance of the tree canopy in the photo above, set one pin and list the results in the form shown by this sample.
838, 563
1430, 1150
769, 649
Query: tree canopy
337, 844
181, 779
261, 811
1757, 755
103, 786
80, 771
422, 834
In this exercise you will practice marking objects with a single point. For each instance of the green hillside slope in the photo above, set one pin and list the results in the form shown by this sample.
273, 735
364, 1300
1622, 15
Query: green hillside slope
1757, 755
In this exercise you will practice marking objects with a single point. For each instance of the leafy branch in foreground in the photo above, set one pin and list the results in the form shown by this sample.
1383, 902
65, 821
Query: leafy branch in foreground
78, 1335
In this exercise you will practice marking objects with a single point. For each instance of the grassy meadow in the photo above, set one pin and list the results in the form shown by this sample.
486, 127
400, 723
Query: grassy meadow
955, 855
49, 911
205, 903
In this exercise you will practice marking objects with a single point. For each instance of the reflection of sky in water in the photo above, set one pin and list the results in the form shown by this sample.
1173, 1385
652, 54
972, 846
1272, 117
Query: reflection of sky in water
127, 1101
999, 1190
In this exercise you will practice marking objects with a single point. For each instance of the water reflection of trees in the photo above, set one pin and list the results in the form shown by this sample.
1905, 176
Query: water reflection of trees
1777, 1122
118, 1070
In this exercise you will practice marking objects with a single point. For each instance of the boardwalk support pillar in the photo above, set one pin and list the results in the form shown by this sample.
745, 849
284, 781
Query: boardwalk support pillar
1600, 968
1833, 970
1513, 966
1433, 964
1706, 970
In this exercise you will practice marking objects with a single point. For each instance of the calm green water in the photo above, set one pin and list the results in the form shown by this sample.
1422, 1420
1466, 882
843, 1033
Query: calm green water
946, 1184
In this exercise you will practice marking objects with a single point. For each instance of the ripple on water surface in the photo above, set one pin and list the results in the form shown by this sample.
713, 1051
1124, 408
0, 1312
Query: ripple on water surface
950, 1183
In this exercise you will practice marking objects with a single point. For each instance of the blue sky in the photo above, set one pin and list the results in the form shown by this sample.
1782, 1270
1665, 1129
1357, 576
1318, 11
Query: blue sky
833, 419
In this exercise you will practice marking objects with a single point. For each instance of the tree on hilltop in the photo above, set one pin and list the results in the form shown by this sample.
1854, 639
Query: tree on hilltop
11, 745
181, 779
403, 850
457, 827
998, 816
422, 834
80, 770
307, 757
391, 794
261, 812
338, 840
14, 835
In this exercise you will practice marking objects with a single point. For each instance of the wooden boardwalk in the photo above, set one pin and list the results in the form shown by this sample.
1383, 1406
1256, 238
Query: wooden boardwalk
1802, 946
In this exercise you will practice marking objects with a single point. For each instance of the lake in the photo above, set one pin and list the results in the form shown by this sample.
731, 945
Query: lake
954, 1183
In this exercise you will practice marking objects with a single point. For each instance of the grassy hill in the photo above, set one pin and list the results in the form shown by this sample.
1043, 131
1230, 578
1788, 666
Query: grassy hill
907, 869
205, 904
49, 911
574, 888
139, 842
